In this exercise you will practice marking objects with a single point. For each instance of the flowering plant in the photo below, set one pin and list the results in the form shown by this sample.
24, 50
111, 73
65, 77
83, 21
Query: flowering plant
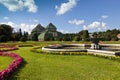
7, 48
4, 74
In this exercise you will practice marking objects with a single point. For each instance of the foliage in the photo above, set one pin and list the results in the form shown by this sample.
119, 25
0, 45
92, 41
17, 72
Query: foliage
76, 38
85, 35
15, 36
5, 32
8, 48
109, 35
3, 38
19, 36
23, 39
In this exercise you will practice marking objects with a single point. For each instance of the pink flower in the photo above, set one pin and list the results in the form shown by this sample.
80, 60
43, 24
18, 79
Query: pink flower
12, 67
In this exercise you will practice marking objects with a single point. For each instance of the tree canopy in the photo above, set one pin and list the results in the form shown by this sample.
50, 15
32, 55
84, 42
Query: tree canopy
5, 32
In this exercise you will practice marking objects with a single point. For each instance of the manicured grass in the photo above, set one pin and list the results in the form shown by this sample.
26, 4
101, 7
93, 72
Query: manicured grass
38, 66
4, 62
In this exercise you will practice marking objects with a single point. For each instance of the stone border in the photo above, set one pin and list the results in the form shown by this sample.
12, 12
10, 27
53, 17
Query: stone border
58, 48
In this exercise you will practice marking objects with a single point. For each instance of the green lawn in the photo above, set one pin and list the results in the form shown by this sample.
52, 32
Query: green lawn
38, 66
4, 62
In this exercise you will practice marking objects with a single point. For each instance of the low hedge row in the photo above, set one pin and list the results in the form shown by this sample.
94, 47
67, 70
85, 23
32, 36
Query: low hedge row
25, 45
4, 74
34, 49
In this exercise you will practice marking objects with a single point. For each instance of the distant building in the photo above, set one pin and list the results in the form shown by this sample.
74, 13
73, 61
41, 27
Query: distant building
49, 33
38, 29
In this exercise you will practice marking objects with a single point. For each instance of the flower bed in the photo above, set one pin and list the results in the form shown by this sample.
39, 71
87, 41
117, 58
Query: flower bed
4, 74
8, 48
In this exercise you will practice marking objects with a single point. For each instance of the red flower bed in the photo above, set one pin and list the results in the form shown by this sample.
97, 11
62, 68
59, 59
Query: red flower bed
7, 48
4, 74
6, 45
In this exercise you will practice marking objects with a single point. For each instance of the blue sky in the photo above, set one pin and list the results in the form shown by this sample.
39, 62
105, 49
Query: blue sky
69, 16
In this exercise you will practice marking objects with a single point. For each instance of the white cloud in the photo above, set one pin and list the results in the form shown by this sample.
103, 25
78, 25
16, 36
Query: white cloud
30, 4
6, 18
63, 31
76, 22
104, 16
96, 25
65, 7
25, 27
15, 5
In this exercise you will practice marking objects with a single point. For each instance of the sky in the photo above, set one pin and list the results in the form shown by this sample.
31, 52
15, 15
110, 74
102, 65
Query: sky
69, 16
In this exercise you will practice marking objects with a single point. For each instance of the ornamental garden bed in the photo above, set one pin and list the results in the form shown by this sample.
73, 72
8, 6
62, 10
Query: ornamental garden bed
17, 60
65, 66
8, 48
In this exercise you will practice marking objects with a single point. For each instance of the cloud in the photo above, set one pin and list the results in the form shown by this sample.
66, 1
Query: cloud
65, 7
15, 5
30, 4
6, 18
25, 27
96, 25
76, 22
63, 31
104, 16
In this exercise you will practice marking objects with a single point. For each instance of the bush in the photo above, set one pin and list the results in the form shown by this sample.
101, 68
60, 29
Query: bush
3, 38
23, 39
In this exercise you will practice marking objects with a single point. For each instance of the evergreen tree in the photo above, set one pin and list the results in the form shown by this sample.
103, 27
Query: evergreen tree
85, 35
20, 33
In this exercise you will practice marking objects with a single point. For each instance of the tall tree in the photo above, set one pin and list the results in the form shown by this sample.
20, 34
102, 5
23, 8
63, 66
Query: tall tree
85, 35
6, 32
20, 33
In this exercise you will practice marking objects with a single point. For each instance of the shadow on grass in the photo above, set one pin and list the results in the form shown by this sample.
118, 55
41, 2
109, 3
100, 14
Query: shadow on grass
14, 75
